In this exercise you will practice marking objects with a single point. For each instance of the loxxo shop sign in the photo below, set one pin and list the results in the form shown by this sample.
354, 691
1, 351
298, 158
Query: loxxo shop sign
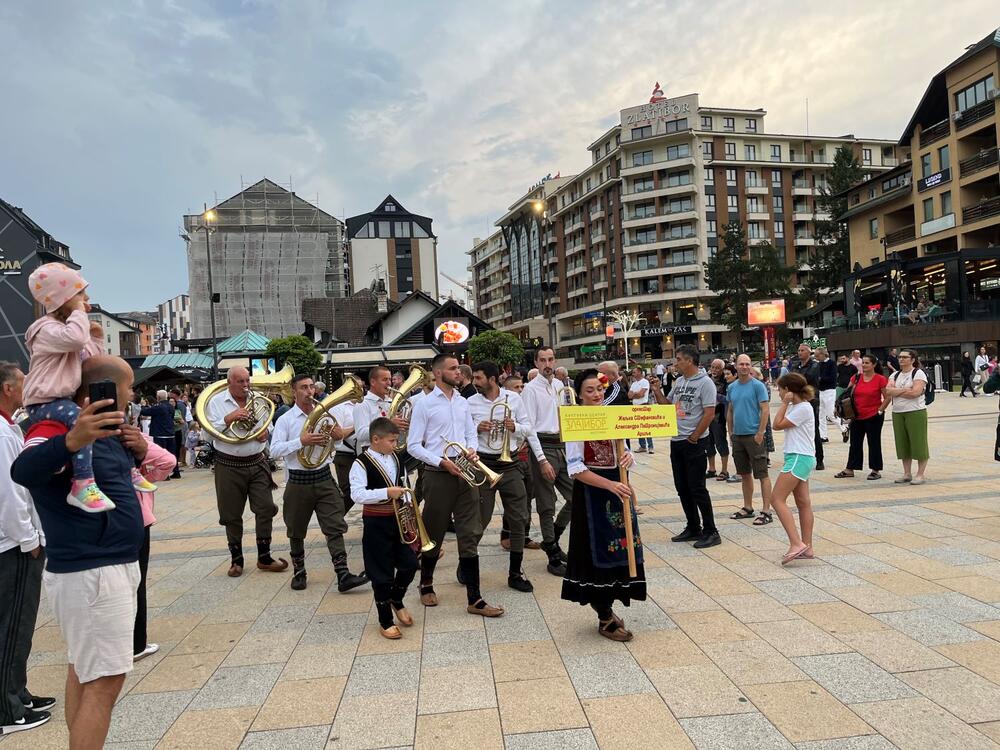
933, 180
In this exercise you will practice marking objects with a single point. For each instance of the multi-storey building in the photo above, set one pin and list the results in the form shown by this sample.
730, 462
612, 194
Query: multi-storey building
635, 227
148, 325
121, 335
174, 323
269, 250
490, 267
925, 236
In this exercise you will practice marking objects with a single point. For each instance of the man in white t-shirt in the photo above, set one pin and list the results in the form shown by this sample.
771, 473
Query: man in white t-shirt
638, 392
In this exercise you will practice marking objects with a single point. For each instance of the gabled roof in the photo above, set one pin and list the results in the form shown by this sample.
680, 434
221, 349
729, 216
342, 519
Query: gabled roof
406, 300
46, 240
246, 341
274, 192
354, 223
190, 359
447, 309
133, 324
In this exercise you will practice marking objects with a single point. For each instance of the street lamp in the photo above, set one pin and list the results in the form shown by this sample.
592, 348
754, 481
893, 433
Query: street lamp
629, 320
544, 223
208, 217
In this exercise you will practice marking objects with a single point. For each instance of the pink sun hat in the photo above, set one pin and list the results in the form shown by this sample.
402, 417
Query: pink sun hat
54, 284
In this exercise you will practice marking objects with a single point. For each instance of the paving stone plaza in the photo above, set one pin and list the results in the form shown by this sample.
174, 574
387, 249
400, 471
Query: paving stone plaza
889, 638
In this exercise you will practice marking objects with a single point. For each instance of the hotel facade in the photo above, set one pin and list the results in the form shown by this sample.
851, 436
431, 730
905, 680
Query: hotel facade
635, 227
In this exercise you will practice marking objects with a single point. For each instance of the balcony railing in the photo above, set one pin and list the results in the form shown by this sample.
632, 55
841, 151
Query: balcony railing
978, 211
983, 160
976, 113
906, 234
935, 132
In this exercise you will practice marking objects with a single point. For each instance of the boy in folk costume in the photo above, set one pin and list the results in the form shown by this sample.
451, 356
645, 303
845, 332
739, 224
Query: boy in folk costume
376, 479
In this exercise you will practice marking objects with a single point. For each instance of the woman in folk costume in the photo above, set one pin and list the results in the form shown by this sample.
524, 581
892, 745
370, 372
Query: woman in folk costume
597, 571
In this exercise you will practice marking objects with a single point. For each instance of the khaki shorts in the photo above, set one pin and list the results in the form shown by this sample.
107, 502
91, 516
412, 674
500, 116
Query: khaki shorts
749, 457
95, 610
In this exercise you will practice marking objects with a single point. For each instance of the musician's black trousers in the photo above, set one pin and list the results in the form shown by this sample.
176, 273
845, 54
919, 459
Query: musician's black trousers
446, 495
390, 564
514, 500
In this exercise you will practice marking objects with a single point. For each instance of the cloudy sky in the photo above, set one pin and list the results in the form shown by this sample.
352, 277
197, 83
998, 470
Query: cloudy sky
119, 117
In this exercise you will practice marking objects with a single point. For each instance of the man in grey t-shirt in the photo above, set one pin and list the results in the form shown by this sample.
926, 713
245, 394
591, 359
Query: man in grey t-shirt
693, 394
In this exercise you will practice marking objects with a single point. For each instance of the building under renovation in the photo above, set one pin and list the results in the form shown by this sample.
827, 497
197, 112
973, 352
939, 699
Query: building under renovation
269, 250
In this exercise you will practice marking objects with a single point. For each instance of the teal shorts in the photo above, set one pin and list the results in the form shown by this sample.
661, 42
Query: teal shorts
799, 465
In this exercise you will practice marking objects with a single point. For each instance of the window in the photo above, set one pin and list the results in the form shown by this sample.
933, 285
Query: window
928, 209
779, 229
751, 125
710, 200
709, 174
642, 185
753, 230
776, 178
675, 126
647, 286
685, 281
978, 92
779, 204
678, 178
871, 193
751, 178
750, 152
390, 207
642, 158
644, 132
873, 228
383, 229
925, 165
676, 206
775, 153
706, 122
753, 205
644, 236
895, 182
402, 229
728, 123
419, 231
730, 150
680, 151
587, 188
682, 257
944, 158
645, 210
363, 232
645, 261
732, 201
710, 228
946, 203
680, 231
706, 149
731, 177
866, 156
608, 172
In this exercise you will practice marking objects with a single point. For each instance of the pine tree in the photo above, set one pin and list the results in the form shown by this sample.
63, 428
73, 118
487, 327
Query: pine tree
727, 274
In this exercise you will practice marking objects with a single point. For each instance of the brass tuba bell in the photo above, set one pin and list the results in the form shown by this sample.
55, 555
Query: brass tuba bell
321, 420
410, 522
260, 407
400, 406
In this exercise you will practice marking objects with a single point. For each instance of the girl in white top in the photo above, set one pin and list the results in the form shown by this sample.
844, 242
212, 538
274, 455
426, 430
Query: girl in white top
909, 416
795, 416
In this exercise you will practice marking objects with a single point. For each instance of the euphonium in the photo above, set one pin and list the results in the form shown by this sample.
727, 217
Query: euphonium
260, 408
400, 406
567, 396
471, 470
498, 438
410, 522
322, 421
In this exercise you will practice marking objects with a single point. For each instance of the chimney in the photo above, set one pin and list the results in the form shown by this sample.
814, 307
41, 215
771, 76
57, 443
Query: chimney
381, 298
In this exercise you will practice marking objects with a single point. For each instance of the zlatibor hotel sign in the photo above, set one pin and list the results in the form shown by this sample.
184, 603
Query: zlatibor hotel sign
659, 109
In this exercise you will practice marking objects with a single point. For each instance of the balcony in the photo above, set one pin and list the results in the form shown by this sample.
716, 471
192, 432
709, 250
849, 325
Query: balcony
974, 114
680, 161
761, 238
802, 214
906, 234
597, 237
758, 213
801, 187
983, 160
982, 210
757, 187
935, 133
576, 226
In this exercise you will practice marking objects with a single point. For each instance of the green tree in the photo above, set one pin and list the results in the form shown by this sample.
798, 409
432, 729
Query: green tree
496, 346
830, 260
297, 350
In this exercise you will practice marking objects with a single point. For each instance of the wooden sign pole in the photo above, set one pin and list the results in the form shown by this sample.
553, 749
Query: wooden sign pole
627, 511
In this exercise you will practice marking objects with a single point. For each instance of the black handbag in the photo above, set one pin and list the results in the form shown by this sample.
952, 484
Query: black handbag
844, 408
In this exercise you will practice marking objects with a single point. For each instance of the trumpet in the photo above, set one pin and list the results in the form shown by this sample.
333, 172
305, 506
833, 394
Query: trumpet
475, 473
498, 438
410, 522
567, 396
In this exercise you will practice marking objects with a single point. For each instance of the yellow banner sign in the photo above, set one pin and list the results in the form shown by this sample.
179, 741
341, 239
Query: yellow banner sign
578, 423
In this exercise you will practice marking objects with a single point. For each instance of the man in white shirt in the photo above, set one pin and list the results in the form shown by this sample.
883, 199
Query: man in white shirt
439, 418
375, 404
242, 473
22, 559
487, 409
343, 450
638, 394
542, 398
311, 490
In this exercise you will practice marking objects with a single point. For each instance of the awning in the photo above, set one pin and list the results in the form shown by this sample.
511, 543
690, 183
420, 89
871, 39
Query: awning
371, 356
159, 376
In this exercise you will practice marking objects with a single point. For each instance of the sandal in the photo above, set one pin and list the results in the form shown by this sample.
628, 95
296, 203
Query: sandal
709, 474
874, 475
614, 630
763, 519
789, 556
742, 513
427, 596
845, 474
722, 476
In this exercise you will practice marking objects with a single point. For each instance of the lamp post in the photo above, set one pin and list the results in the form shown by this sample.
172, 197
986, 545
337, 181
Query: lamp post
629, 320
209, 216
544, 223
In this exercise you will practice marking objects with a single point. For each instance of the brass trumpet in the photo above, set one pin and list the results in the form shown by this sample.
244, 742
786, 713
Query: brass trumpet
475, 473
498, 438
410, 522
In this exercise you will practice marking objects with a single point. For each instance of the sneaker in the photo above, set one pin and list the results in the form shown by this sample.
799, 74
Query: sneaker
520, 583
734, 479
30, 720
140, 483
709, 540
151, 648
651, 451
556, 568
687, 535
639, 450
40, 703
87, 496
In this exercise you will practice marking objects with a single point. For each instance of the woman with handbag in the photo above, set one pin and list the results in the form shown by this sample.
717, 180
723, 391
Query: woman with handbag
870, 402
907, 390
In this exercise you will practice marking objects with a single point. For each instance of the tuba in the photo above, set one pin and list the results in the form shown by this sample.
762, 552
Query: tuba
320, 420
475, 473
400, 406
259, 406
410, 522
498, 438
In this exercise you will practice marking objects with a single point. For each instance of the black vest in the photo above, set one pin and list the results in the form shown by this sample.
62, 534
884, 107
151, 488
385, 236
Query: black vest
377, 480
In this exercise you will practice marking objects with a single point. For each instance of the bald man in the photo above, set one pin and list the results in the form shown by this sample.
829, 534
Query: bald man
242, 473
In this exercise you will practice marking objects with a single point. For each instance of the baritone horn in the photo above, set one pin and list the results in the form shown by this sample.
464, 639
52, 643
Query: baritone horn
410, 522
259, 406
400, 406
567, 396
321, 420
475, 473
498, 438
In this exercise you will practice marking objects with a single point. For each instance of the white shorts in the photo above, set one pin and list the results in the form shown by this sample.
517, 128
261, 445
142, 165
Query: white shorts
95, 610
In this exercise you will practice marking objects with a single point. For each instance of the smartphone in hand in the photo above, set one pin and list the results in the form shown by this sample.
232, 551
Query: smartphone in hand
102, 390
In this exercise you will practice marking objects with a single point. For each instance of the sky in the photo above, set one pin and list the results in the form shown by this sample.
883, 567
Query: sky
120, 117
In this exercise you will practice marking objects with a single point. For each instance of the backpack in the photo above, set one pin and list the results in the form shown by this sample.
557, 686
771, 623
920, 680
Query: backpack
929, 393
845, 408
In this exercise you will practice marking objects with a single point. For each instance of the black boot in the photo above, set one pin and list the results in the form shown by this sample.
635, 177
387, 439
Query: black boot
458, 574
558, 533
298, 572
346, 580
515, 576
556, 565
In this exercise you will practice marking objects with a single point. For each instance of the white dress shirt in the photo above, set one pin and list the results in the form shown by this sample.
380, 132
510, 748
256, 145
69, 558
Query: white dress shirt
541, 402
344, 414
480, 408
436, 419
216, 411
371, 408
286, 439
359, 478
19, 524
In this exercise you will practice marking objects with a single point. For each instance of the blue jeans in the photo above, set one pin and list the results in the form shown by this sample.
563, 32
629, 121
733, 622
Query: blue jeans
646, 443
64, 411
